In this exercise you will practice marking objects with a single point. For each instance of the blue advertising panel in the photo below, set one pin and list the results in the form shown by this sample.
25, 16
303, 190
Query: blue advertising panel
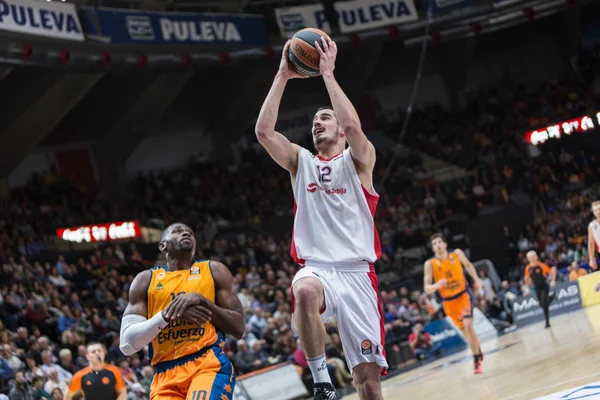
443, 332
124, 26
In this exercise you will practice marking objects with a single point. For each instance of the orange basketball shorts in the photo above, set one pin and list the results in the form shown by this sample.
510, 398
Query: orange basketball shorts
208, 376
459, 308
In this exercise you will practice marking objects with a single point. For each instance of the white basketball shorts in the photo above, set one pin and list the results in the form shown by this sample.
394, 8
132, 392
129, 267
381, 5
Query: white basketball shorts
352, 296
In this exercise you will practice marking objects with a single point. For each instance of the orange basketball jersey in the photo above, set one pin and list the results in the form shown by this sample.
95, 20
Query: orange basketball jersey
452, 270
180, 338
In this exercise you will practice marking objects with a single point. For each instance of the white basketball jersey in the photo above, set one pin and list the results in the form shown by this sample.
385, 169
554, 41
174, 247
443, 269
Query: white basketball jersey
595, 228
334, 212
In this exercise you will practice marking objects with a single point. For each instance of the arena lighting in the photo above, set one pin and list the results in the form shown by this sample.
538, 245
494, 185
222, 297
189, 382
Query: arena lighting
106, 58
529, 13
269, 52
580, 124
65, 56
26, 51
224, 58
100, 232
142, 61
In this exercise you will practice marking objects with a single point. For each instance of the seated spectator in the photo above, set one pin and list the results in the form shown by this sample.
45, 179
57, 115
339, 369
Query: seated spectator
421, 344
54, 382
20, 389
48, 365
37, 389
576, 271
245, 359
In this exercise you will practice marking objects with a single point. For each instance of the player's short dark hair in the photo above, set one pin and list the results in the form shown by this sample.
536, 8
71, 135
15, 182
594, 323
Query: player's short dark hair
437, 236
325, 108
168, 229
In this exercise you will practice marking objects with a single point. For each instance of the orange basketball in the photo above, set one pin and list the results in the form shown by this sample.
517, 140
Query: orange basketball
302, 54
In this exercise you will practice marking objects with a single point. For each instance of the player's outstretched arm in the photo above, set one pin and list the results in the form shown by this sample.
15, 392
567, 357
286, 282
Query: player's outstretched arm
361, 148
227, 310
592, 249
470, 268
136, 330
278, 146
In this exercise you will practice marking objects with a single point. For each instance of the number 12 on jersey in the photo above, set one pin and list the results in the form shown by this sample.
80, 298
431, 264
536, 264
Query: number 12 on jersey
323, 172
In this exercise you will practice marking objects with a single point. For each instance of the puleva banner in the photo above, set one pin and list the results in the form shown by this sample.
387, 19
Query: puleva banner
124, 26
292, 19
353, 16
361, 15
589, 289
54, 19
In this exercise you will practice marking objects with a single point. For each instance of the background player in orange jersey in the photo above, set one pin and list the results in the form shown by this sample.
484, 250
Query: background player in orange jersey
445, 274
182, 310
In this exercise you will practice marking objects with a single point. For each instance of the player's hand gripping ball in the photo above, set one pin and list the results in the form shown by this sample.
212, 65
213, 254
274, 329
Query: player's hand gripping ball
303, 56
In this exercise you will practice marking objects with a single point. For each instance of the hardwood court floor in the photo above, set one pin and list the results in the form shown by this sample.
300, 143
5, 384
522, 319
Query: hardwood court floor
525, 364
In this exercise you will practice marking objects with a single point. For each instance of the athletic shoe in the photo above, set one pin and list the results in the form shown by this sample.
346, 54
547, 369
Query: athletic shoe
477, 365
326, 391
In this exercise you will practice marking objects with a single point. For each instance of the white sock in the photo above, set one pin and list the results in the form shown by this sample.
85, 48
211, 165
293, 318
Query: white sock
318, 367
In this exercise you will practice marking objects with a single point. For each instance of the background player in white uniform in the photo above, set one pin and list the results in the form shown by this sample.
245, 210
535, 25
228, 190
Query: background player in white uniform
334, 234
594, 235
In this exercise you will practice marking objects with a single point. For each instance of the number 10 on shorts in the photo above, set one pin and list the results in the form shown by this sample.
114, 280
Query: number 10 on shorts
198, 395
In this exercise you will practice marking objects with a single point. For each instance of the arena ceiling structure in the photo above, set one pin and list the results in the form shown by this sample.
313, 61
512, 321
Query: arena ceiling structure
109, 96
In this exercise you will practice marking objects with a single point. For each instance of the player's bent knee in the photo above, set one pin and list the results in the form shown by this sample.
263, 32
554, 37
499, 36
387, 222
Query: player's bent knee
308, 293
367, 373
366, 377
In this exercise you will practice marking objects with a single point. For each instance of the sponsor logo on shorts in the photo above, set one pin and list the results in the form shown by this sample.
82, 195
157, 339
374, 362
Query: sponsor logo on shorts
366, 347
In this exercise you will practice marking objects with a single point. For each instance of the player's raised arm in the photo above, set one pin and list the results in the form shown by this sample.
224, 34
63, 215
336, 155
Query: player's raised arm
136, 330
278, 146
592, 248
470, 268
361, 148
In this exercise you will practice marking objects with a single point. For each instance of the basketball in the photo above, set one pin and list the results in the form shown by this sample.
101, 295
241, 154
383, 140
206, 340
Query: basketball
302, 54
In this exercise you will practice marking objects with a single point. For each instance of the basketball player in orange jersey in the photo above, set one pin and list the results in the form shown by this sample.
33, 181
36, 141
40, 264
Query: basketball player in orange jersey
183, 310
334, 237
445, 274
594, 235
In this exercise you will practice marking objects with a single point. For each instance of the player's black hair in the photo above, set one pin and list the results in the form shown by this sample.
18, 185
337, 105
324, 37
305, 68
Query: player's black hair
437, 236
168, 229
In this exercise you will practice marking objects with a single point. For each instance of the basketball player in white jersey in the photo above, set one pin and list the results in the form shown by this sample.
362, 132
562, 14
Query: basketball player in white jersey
594, 235
334, 236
